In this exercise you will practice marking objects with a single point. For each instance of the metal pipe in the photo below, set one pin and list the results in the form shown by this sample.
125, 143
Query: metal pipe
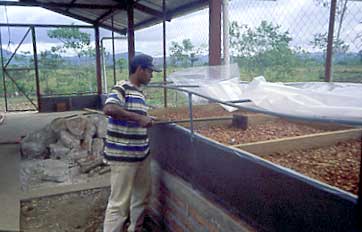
190, 113
98, 61
35, 54
130, 35
113, 56
225, 23
164, 52
68, 94
288, 116
20, 89
329, 55
104, 75
359, 200
19, 69
3, 72
42, 25
215, 32
194, 120
16, 49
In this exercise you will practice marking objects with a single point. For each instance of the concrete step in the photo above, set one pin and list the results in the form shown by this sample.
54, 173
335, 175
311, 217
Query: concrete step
9, 188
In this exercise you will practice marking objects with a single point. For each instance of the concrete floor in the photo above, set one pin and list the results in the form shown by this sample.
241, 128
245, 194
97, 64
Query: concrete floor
9, 188
13, 128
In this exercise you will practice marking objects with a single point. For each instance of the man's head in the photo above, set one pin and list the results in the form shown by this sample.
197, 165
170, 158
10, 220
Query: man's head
142, 68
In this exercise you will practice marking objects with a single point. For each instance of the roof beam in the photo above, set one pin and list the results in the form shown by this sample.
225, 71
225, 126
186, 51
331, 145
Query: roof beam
73, 1
149, 10
111, 12
171, 14
81, 18
54, 4
185, 8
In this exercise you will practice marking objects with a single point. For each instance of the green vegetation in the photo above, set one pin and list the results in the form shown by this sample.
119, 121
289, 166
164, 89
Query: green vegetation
264, 50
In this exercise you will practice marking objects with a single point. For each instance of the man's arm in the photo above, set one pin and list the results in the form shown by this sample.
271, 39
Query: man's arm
118, 112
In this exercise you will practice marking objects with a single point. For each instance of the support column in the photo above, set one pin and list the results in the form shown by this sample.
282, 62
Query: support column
130, 36
113, 55
329, 56
98, 61
3, 72
35, 53
225, 24
215, 32
164, 53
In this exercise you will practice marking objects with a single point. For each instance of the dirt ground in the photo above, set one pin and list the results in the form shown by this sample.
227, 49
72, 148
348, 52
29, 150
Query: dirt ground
336, 165
73, 212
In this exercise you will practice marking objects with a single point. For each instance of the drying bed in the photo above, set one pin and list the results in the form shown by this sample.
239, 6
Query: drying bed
336, 161
260, 127
229, 135
337, 165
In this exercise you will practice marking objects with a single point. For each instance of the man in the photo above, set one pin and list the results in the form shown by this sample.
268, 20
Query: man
127, 149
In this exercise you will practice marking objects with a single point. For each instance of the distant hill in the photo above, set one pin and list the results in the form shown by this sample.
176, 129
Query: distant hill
27, 59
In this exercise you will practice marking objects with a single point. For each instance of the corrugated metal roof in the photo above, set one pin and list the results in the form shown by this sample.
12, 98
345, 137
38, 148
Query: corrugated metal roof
146, 12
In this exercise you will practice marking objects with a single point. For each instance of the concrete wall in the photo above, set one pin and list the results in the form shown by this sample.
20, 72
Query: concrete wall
64, 103
266, 196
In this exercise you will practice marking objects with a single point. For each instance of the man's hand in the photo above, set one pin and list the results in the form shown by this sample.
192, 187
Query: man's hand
119, 113
145, 121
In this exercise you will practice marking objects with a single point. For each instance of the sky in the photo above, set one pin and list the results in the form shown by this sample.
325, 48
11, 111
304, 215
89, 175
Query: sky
302, 19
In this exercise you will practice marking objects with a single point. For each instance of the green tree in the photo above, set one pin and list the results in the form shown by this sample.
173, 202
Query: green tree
72, 38
263, 49
320, 41
79, 42
185, 53
49, 61
122, 64
341, 9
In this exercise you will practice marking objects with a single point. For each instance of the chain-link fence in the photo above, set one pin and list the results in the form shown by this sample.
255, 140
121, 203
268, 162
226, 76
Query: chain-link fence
19, 82
286, 40
186, 45
283, 40
65, 59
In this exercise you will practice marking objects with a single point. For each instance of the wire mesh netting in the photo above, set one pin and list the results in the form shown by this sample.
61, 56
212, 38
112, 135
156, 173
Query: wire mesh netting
19, 81
65, 59
186, 46
282, 40
286, 40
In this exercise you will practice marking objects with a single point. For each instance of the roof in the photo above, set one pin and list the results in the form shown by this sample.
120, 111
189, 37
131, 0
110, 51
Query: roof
146, 12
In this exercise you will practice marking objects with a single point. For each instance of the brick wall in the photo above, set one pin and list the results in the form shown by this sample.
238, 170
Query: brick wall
176, 206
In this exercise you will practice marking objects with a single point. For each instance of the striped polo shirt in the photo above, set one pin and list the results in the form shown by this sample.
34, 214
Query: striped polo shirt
126, 141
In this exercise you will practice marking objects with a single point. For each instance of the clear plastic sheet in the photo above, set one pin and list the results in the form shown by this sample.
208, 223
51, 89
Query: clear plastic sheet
311, 99
324, 100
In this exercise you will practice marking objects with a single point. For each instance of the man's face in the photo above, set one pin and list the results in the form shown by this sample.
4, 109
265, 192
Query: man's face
145, 75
